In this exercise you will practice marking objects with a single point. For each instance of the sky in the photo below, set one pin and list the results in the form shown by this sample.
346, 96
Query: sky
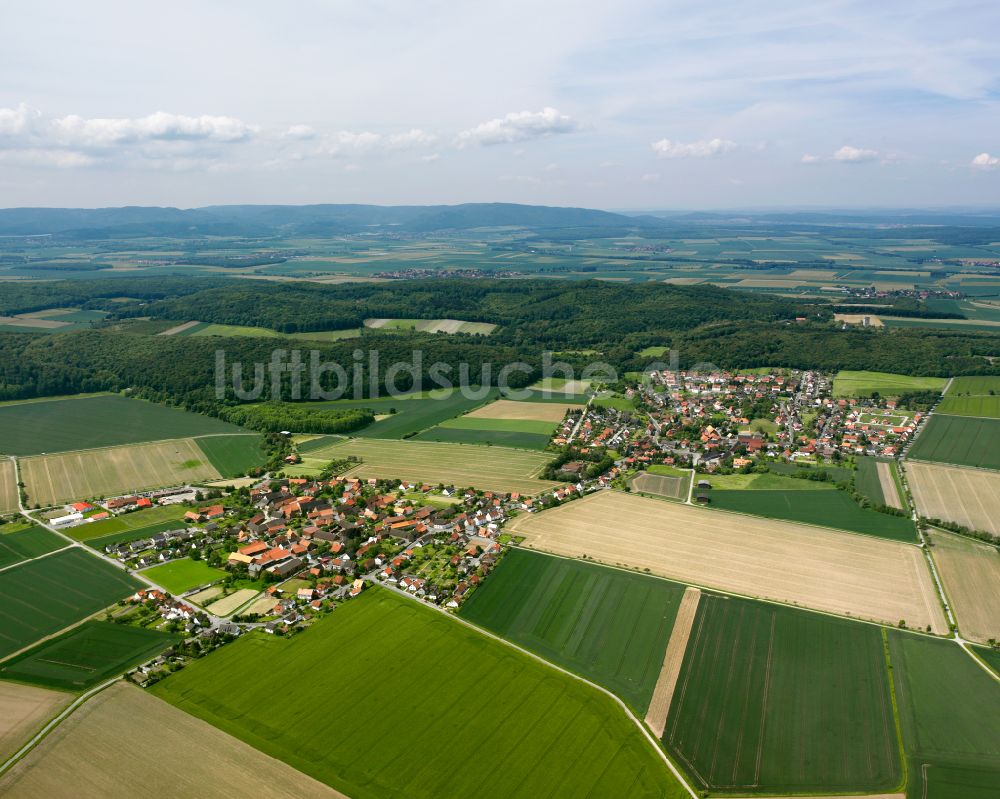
632, 104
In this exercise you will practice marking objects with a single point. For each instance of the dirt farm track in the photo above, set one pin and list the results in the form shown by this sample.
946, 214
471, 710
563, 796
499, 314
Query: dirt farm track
827, 570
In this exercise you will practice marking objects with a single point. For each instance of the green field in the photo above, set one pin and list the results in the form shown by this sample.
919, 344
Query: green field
991, 656
86, 655
817, 506
233, 455
500, 438
866, 481
448, 711
949, 710
182, 575
958, 440
58, 425
504, 425
127, 522
44, 596
975, 386
26, 543
863, 384
972, 396
409, 414
609, 626
773, 699
984, 406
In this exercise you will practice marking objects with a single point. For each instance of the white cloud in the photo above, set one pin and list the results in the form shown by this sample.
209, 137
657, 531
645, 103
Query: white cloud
59, 159
519, 126
850, 155
161, 126
17, 121
985, 161
431, 157
412, 138
854, 154
300, 133
650, 177
666, 148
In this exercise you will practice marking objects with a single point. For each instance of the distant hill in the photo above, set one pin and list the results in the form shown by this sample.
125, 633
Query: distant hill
255, 220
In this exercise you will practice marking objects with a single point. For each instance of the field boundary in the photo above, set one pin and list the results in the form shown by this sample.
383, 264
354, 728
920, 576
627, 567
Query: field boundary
673, 659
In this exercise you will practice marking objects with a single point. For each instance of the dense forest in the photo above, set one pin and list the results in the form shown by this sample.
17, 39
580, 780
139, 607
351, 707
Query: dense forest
530, 313
580, 321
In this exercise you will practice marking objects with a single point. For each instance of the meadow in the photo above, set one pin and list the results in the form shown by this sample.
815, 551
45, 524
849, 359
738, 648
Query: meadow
461, 465
605, 624
829, 508
837, 572
44, 596
233, 455
178, 576
970, 497
453, 693
209, 329
864, 384
959, 441
773, 699
433, 326
58, 425
86, 655
949, 710
88, 474
87, 750
25, 543
8, 487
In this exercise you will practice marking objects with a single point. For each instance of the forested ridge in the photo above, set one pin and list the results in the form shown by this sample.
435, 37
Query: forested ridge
614, 321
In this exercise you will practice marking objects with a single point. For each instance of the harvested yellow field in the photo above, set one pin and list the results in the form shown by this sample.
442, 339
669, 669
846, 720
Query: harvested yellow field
970, 572
828, 570
24, 710
970, 497
460, 465
125, 743
530, 411
54, 479
228, 604
8, 487
673, 658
